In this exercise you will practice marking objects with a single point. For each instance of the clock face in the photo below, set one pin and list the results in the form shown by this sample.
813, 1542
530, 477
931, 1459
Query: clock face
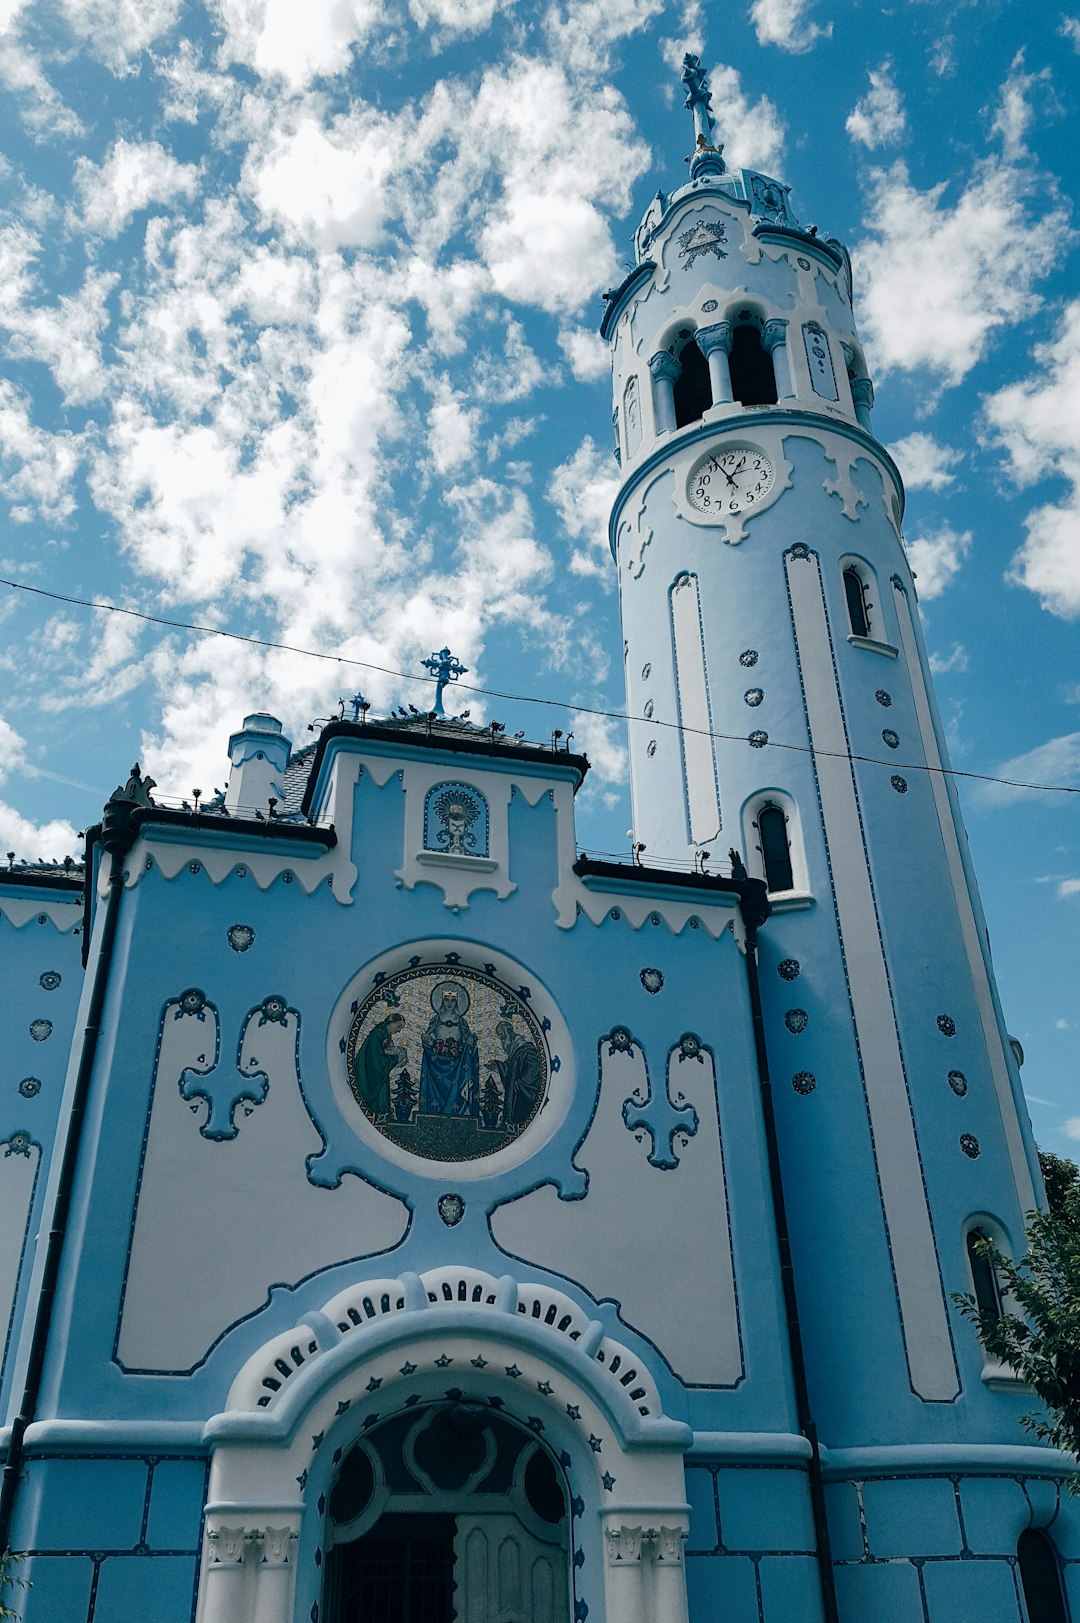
734, 480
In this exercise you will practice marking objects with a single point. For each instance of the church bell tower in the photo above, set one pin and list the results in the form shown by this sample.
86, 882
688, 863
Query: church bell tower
781, 708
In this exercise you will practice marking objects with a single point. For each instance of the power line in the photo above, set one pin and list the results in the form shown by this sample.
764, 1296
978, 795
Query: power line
527, 698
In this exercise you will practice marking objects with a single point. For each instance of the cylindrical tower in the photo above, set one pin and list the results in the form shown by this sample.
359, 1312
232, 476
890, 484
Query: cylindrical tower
781, 705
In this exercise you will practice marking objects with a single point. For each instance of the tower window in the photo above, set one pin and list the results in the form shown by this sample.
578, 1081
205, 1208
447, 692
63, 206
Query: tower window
775, 850
1039, 1578
693, 391
857, 606
983, 1278
753, 381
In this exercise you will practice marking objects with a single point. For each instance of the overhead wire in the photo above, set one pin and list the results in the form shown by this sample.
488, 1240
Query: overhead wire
528, 698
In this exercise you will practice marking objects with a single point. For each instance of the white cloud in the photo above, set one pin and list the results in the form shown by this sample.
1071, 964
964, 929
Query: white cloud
1014, 112
1071, 1128
36, 467
451, 428
1067, 888
326, 184
955, 660
941, 278
456, 17
581, 30
582, 491
27, 839
603, 740
22, 73
1070, 30
752, 133
279, 38
1037, 423
878, 118
587, 353
1057, 762
935, 558
512, 375
134, 175
117, 32
924, 463
786, 23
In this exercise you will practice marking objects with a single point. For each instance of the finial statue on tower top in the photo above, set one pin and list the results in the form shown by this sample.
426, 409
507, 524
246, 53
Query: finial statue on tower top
705, 158
445, 667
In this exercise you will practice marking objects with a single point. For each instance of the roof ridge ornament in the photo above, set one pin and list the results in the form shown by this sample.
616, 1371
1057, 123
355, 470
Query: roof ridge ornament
706, 157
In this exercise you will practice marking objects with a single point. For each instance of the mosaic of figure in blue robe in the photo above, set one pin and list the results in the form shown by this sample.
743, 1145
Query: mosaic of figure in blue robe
450, 1069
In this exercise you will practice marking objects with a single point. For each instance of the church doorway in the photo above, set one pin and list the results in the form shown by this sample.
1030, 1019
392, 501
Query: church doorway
447, 1514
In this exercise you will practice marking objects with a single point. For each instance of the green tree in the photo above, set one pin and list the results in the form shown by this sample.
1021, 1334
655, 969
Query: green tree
9, 1579
1037, 1332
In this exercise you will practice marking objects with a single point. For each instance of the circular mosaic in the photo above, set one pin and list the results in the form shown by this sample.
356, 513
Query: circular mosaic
796, 1020
899, 783
891, 738
450, 1064
49, 981
958, 1082
789, 969
883, 698
748, 657
970, 1145
650, 748
804, 1082
946, 1025
758, 740
753, 697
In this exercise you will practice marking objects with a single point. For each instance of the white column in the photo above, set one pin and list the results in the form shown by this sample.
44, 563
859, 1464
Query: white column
625, 1586
276, 1576
669, 1575
862, 394
715, 344
665, 369
774, 340
221, 1598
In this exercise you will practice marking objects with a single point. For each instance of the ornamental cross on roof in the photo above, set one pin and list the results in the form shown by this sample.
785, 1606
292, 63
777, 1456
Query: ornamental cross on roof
705, 158
445, 667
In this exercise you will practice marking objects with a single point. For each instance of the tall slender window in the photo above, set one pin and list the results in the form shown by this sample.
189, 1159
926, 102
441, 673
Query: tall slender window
1039, 1578
983, 1277
753, 380
693, 390
775, 850
857, 608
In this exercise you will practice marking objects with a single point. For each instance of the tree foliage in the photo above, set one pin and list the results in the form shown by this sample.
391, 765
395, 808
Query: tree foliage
1037, 1333
9, 1579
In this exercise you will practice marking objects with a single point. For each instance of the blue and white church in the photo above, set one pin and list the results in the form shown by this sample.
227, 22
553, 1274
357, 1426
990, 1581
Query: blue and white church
405, 1219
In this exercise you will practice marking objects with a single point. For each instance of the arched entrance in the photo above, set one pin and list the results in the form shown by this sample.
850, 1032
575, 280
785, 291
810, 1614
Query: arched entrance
447, 1512
388, 1353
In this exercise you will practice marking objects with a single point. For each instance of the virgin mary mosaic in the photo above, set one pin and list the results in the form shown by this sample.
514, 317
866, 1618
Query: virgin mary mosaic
447, 1062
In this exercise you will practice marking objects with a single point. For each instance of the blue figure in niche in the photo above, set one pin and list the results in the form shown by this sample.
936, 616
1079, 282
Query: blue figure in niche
450, 1068
455, 821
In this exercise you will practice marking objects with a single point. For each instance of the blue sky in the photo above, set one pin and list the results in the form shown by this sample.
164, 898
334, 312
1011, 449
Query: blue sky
299, 308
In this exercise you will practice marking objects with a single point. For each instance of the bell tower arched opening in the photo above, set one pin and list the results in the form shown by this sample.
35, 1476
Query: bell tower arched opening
753, 377
692, 389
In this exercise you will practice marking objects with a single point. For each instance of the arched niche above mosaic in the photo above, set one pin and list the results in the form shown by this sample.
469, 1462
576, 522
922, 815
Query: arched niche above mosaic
447, 1061
456, 820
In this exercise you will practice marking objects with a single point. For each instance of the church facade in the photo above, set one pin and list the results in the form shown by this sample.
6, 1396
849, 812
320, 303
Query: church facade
404, 1217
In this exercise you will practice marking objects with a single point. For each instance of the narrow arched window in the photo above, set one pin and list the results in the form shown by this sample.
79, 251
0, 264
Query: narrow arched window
753, 381
693, 391
1039, 1578
857, 607
983, 1278
775, 850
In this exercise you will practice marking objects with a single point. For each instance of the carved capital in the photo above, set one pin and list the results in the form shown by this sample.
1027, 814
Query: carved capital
717, 336
624, 1546
862, 392
663, 365
773, 333
277, 1545
226, 1545
667, 1544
